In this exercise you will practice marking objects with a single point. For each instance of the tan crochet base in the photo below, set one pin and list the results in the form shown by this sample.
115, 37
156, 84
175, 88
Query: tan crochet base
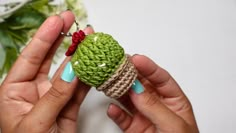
121, 81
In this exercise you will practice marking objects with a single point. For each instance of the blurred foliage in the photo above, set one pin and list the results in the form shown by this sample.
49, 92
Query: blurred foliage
16, 30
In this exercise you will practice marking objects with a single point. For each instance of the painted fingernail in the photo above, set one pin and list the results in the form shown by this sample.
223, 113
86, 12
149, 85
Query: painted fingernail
60, 13
68, 74
89, 25
137, 87
136, 54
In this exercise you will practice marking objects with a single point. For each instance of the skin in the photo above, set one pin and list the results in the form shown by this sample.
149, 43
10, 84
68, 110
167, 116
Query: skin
31, 102
161, 108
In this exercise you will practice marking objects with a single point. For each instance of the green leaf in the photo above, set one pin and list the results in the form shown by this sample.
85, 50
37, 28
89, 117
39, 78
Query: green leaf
79, 10
6, 40
42, 6
16, 30
38, 4
2, 55
25, 18
10, 57
20, 36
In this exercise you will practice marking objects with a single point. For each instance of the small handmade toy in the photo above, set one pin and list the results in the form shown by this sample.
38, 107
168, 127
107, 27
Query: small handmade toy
99, 61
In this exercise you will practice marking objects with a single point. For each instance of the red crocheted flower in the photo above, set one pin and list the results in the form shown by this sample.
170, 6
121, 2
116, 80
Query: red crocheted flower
77, 37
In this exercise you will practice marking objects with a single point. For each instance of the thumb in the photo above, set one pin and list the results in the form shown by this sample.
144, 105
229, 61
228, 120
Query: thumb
149, 104
47, 109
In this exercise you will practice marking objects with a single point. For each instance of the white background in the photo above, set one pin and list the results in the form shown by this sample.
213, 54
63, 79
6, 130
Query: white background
195, 40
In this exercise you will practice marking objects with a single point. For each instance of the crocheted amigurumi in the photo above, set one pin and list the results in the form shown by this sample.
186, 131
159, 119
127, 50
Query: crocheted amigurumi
100, 61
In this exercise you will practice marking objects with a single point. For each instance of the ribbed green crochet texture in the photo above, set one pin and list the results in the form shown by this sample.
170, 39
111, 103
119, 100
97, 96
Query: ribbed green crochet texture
97, 58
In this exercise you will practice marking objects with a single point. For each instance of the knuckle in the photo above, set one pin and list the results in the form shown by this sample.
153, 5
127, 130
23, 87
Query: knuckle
33, 56
183, 126
57, 92
123, 122
121, 118
150, 129
60, 90
151, 99
30, 58
11, 93
29, 126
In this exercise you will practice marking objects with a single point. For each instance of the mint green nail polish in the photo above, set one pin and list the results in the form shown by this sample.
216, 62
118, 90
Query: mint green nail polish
68, 73
137, 87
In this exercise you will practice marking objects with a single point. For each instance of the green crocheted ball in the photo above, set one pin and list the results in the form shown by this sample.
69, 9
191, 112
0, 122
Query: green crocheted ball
97, 58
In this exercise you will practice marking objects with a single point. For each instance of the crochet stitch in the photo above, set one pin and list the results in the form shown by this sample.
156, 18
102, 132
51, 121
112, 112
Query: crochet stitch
100, 61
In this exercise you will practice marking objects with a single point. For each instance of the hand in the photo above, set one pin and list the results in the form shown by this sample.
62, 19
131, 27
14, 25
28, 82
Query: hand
29, 101
157, 105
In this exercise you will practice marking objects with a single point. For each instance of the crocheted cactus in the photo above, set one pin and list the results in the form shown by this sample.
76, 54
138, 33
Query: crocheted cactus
100, 61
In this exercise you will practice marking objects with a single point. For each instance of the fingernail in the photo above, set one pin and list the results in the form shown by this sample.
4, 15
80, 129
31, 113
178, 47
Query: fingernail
135, 55
137, 87
89, 25
60, 13
68, 73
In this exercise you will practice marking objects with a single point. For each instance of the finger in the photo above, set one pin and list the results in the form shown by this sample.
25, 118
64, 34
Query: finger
157, 76
127, 103
70, 111
87, 30
135, 124
69, 114
68, 19
167, 88
29, 61
120, 117
72, 108
151, 107
50, 105
57, 74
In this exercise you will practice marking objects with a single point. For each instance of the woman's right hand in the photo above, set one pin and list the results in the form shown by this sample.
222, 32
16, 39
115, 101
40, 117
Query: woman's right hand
155, 104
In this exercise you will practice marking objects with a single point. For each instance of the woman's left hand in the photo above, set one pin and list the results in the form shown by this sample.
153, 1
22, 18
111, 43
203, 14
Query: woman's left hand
29, 101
